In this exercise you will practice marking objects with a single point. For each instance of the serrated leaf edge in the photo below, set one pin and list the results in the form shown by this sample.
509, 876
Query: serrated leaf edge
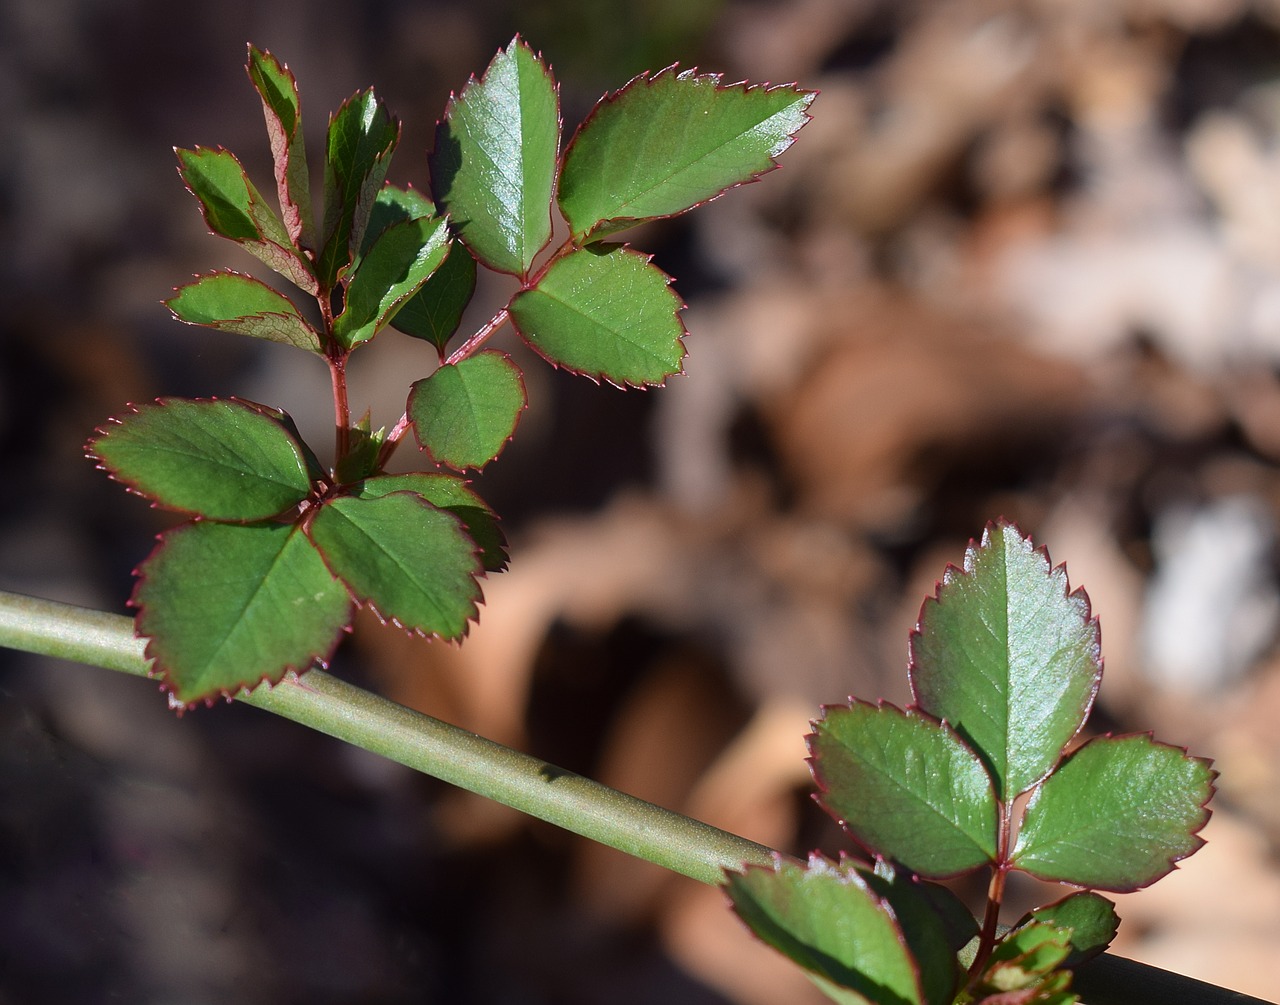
1078, 595
1194, 833
598, 378
480, 81
365, 604
160, 671
524, 407
135, 408
220, 326
646, 78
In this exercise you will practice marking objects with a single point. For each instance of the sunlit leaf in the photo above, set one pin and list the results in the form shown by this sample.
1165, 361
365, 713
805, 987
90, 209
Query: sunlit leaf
465, 413
225, 460
1116, 815
226, 606
229, 301
494, 164
282, 109
606, 312
411, 562
666, 143
1008, 656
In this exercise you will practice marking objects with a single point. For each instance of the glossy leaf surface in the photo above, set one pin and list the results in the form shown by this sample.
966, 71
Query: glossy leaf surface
402, 258
233, 208
226, 606
905, 787
225, 460
666, 143
435, 311
409, 561
829, 921
605, 312
465, 413
925, 928
1008, 656
282, 109
494, 164
1116, 815
229, 301
362, 137
450, 493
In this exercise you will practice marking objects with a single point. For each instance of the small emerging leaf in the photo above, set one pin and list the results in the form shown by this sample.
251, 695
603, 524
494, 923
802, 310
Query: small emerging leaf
464, 413
410, 561
450, 493
229, 301
400, 261
494, 164
362, 137
1116, 815
225, 460
282, 109
226, 606
606, 312
1008, 656
1025, 955
829, 921
1089, 916
906, 787
234, 209
667, 143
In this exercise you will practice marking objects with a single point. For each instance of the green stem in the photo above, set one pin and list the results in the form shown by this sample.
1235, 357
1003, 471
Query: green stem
418, 741
533, 786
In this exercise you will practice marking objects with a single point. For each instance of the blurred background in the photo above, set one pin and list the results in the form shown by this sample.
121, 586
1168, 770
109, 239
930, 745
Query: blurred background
1024, 262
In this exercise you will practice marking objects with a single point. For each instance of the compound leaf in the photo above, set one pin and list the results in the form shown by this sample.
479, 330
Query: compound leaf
494, 163
1008, 656
905, 787
664, 144
282, 108
231, 302
828, 920
448, 492
464, 413
220, 459
226, 606
411, 562
1116, 815
402, 258
362, 137
234, 209
606, 312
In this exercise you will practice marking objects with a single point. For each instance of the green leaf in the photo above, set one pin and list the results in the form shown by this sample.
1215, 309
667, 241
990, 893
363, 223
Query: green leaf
412, 563
1025, 957
234, 209
227, 606
362, 137
448, 492
394, 205
365, 446
906, 787
1089, 917
827, 919
435, 311
224, 460
400, 261
494, 163
606, 312
1008, 656
464, 413
231, 302
282, 109
667, 143
1116, 815
926, 928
